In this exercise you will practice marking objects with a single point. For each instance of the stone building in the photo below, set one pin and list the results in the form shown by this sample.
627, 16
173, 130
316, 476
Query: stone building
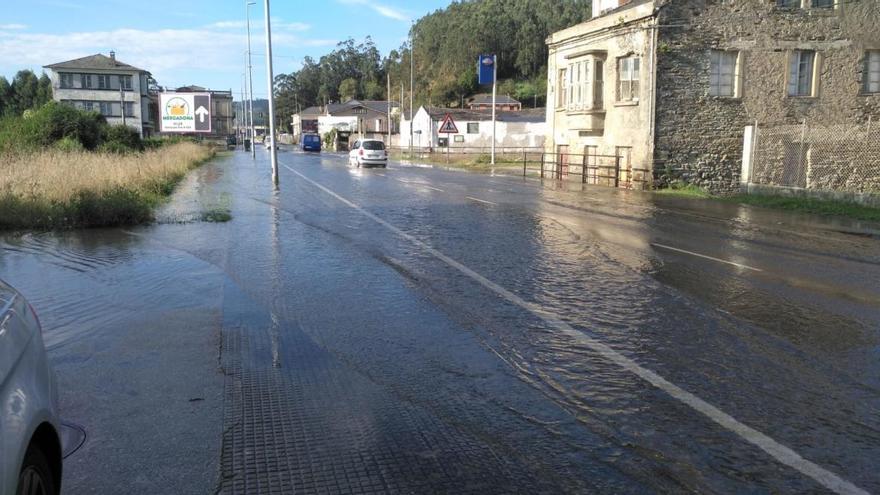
670, 85
93, 83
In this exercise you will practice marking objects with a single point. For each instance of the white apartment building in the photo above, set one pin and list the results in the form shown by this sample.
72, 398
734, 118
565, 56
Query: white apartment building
104, 84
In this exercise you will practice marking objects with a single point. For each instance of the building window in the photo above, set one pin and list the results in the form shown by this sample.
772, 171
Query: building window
85, 81
788, 4
106, 108
628, 79
66, 81
103, 81
723, 73
129, 109
87, 106
599, 86
562, 85
872, 72
125, 82
801, 73
473, 128
822, 4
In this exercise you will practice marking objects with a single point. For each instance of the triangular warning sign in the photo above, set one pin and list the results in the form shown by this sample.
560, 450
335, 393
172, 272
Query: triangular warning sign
448, 125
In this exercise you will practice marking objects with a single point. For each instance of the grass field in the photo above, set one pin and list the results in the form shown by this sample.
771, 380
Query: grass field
54, 189
795, 204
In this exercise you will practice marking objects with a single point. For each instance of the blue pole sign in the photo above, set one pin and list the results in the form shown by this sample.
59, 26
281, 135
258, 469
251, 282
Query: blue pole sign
486, 69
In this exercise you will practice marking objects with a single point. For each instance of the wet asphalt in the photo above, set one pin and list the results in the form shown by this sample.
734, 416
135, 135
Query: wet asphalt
421, 330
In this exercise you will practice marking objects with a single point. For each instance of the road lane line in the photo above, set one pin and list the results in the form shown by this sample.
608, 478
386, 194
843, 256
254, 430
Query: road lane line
778, 451
706, 257
432, 187
481, 201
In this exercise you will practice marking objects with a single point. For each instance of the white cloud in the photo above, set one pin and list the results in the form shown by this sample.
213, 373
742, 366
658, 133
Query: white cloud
12, 27
383, 10
167, 53
257, 24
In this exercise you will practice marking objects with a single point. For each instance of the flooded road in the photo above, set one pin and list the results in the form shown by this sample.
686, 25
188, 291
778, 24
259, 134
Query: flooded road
421, 330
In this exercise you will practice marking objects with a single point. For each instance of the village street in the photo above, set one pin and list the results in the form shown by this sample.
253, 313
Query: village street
421, 330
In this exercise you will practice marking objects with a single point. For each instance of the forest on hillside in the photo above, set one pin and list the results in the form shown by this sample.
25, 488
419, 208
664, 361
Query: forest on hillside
447, 43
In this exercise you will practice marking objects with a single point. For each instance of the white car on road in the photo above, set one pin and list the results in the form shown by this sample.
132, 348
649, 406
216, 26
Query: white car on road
368, 152
30, 441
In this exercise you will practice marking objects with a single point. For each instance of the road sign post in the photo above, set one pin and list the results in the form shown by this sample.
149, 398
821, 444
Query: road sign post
448, 127
487, 71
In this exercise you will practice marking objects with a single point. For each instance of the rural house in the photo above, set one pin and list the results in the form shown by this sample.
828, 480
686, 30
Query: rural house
660, 89
120, 92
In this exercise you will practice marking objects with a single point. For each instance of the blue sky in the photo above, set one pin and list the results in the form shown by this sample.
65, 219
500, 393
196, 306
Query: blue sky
198, 42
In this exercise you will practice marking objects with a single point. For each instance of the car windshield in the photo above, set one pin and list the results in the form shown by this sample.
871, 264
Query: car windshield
373, 145
311, 139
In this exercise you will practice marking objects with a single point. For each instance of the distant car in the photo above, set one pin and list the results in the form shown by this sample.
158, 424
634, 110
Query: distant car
368, 152
30, 444
310, 142
231, 142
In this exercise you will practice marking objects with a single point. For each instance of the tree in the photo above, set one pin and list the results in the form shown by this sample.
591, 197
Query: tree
348, 89
25, 91
5, 95
44, 91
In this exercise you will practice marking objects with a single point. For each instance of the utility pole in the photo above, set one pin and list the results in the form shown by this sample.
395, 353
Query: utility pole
122, 100
412, 56
388, 115
273, 151
253, 132
494, 86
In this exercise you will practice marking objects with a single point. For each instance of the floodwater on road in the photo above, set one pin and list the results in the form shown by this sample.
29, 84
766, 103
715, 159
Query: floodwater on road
424, 330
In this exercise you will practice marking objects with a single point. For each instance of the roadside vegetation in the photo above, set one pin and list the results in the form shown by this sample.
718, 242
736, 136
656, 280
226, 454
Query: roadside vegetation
814, 206
63, 168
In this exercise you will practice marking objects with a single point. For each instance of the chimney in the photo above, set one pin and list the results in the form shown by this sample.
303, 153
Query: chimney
112, 55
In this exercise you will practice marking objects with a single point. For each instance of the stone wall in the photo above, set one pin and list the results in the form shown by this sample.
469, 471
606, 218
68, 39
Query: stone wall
699, 137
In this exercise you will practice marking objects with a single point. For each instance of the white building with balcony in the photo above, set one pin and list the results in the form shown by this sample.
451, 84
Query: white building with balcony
120, 92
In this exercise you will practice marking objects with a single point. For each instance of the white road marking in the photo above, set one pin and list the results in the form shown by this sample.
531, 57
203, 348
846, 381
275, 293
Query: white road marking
780, 452
432, 187
481, 201
706, 257
401, 180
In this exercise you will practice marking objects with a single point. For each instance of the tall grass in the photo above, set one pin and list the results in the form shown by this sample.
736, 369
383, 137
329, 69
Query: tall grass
61, 189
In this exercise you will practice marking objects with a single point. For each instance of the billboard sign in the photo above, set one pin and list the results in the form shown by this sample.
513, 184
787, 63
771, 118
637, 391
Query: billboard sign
184, 112
486, 69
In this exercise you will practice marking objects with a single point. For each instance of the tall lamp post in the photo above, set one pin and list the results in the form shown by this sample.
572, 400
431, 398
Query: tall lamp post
412, 56
253, 132
273, 149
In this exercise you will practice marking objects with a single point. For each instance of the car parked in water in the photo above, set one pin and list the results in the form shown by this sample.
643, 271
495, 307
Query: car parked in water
368, 152
30, 441
310, 142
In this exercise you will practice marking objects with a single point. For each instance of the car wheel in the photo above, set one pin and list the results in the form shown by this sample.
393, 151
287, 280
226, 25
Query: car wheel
36, 476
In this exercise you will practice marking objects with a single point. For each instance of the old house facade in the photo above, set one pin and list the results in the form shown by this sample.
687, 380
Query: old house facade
119, 91
670, 85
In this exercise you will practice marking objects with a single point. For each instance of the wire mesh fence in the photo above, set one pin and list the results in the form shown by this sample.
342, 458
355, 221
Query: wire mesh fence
822, 157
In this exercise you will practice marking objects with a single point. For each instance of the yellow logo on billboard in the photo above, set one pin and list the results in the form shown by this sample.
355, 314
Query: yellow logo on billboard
177, 107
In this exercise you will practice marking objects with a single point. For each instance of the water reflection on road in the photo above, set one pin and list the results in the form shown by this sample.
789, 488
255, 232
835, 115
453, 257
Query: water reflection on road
328, 298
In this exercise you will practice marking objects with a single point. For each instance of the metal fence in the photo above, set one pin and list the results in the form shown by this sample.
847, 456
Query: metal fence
822, 157
607, 170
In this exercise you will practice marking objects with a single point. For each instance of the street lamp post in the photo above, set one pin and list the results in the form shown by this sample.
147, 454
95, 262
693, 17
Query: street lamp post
247, 11
273, 149
412, 56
